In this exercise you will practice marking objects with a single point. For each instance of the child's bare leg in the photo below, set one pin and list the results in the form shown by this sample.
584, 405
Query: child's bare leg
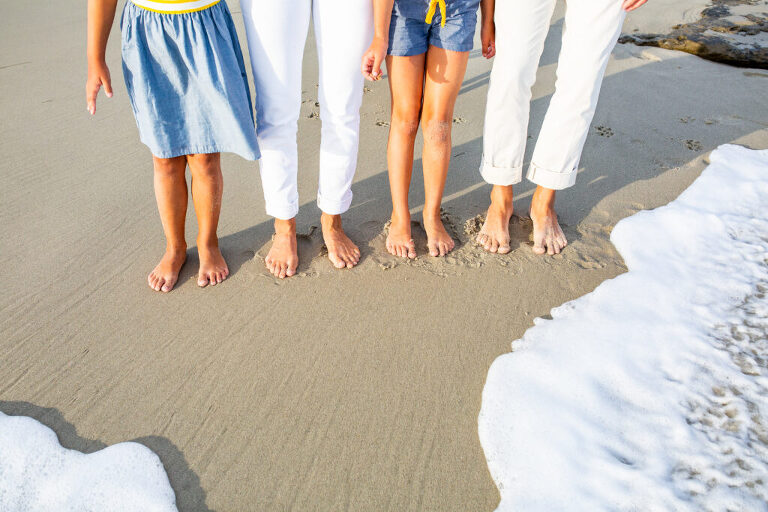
548, 237
171, 195
444, 74
406, 79
207, 189
494, 236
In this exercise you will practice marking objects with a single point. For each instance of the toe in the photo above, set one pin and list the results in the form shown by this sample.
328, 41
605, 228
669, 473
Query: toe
481, 239
282, 271
443, 248
168, 286
159, 284
504, 248
336, 260
202, 280
411, 250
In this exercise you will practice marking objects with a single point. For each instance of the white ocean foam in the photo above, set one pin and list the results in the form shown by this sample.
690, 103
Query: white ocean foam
651, 392
37, 474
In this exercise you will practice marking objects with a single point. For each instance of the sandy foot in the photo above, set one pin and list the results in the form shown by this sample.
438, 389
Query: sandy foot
283, 258
213, 268
166, 273
548, 237
439, 241
342, 252
399, 241
494, 235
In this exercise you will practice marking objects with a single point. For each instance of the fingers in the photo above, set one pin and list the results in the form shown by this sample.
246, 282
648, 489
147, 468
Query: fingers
631, 5
107, 82
91, 91
491, 50
376, 71
367, 66
92, 87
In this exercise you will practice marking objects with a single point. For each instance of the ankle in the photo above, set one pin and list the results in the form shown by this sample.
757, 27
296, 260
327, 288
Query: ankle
330, 222
543, 201
432, 214
401, 216
285, 227
502, 196
176, 247
208, 242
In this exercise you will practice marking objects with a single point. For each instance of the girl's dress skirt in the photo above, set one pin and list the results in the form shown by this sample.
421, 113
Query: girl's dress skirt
187, 82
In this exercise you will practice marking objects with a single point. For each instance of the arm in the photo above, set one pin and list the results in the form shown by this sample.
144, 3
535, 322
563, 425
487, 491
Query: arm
488, 29
377, 52
631, 5
101, 14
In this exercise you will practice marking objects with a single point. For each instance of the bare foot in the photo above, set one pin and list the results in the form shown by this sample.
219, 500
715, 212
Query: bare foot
213, 268
283, 258
399, 241
494, 235
548, 237
439, 241
166, 273
341, 250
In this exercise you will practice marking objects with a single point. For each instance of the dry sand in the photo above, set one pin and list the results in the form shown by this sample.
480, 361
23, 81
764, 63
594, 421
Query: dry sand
334, 390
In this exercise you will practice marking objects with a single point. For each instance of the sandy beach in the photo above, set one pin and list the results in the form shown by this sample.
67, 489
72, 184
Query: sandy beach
332, 390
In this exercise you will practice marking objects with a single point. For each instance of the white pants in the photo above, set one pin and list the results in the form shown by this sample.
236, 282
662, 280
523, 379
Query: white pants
277, 32
591, 30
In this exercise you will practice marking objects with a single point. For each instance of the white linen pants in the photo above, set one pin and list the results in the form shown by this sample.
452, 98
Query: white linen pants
591, 30
276, 32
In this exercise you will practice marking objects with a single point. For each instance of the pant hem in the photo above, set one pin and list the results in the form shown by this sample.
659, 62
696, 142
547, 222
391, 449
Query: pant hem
548, 178
333, 207
283, 212
504, 176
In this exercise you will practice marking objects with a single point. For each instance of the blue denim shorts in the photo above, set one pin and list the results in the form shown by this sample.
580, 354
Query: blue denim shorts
412, 36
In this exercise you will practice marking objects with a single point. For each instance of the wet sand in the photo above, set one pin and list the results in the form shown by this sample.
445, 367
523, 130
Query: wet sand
334, 390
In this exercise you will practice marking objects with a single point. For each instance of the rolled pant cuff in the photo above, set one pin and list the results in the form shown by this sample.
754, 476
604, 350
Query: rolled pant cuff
550, 179
283, 211
501, 175
333, 207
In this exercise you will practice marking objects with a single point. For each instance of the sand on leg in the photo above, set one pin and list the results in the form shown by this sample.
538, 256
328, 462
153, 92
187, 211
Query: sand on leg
406, 81
444, 74
171, 194
207, 189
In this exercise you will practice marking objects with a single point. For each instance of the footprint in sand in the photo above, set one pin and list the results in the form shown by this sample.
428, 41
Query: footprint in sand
604, 131
693, 145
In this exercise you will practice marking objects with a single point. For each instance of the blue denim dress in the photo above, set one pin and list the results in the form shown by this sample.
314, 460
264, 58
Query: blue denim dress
409, 34
187, 83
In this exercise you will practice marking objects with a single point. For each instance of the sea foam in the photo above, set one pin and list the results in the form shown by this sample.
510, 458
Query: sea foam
37, 474
651, 392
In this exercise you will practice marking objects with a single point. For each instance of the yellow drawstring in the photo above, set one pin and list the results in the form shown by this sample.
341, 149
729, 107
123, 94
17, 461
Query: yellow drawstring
431, 12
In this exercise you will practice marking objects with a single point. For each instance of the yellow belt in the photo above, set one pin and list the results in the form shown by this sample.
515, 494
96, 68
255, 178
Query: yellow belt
431, 12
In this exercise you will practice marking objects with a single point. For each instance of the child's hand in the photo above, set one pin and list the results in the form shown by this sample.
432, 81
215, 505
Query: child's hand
373, 58
488, 38
98, 76
631, 5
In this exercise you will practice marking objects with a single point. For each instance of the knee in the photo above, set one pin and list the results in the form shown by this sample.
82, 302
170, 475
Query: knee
170, 167
204, 164
437, 130
405, 119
